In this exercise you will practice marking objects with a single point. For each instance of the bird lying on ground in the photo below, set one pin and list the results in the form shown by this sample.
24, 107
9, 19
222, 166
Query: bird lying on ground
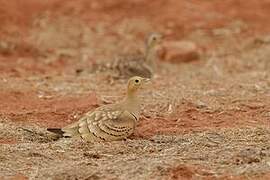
109, 122
126, 66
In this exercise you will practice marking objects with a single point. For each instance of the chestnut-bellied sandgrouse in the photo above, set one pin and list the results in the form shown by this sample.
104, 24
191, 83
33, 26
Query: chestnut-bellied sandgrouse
109, 122
143, 65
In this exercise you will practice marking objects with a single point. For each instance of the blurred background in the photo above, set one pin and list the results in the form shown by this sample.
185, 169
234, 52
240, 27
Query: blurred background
206, 115
85, 31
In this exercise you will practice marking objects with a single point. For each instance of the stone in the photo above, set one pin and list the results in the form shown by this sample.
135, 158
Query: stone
179, 51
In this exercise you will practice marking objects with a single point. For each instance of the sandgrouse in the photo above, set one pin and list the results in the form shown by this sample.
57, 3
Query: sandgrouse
126, 66
109, 122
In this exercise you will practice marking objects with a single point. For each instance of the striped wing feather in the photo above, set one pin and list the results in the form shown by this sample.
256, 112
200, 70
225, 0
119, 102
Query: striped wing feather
102, 126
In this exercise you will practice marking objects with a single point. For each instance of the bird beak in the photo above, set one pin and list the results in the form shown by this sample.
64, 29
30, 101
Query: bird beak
146, 83
146, 80
161, 37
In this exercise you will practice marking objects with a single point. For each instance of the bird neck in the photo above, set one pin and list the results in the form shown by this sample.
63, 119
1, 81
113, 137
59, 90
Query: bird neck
131, 95
132, 102
150, 56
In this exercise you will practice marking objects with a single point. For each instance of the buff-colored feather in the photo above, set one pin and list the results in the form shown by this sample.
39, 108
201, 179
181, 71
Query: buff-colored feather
126, 66
109, 122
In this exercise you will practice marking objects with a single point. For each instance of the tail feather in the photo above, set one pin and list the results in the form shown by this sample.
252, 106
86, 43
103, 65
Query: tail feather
57, 131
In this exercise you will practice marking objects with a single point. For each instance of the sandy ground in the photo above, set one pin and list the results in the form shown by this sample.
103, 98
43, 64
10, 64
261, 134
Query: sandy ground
208, 118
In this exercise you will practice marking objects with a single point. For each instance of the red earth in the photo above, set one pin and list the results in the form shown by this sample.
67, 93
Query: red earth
45, 54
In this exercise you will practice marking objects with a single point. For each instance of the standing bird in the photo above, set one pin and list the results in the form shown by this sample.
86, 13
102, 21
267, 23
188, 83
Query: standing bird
127, 66
109, 122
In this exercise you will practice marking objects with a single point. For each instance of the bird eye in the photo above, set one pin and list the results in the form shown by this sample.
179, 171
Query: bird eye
137, 81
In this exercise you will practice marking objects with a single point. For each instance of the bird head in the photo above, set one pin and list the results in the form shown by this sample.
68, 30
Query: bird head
135, 83
153, 40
